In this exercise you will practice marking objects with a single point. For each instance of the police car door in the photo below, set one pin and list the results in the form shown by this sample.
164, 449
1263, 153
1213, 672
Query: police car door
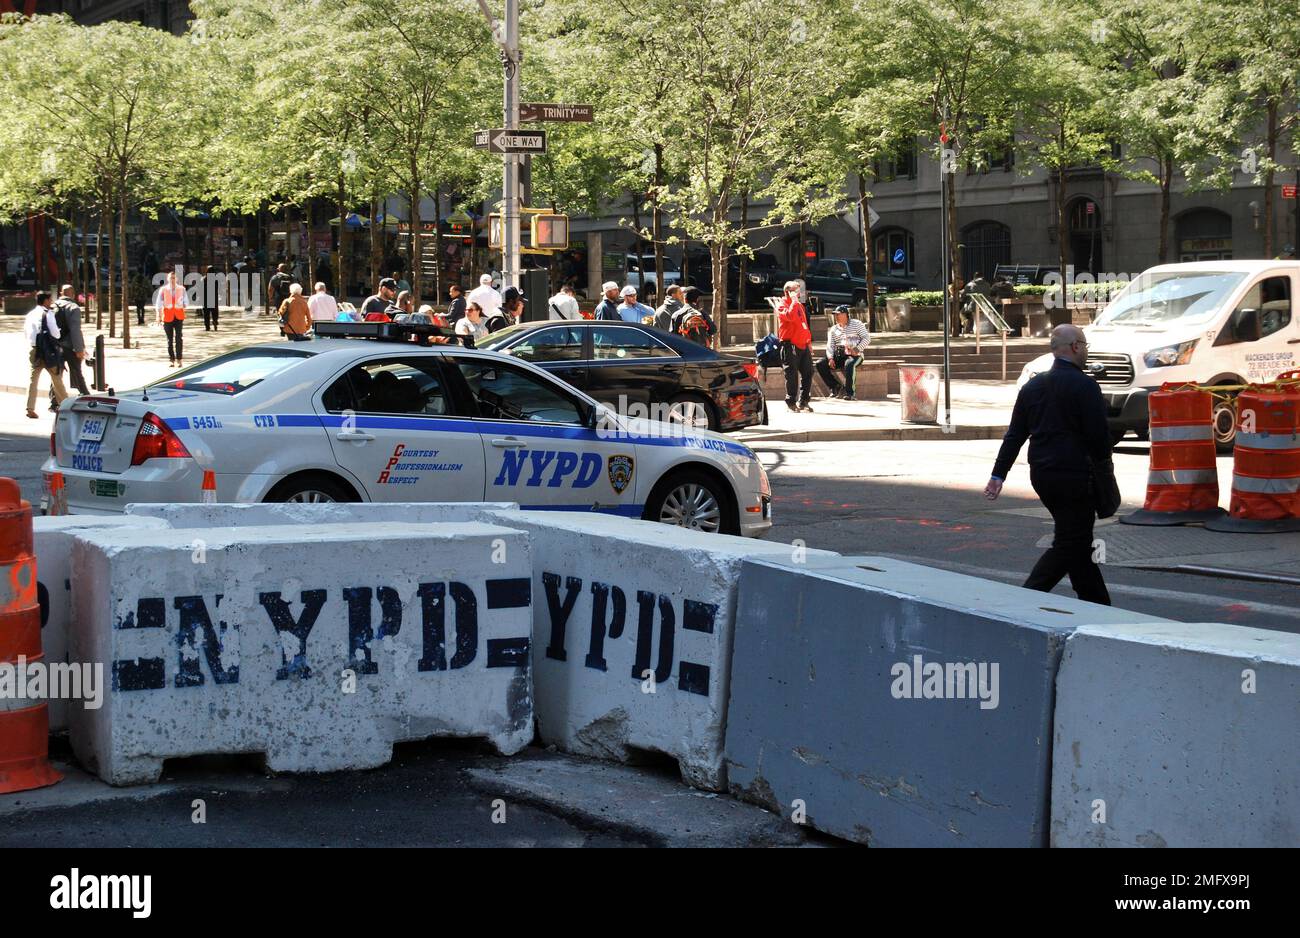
394, 428
539, 444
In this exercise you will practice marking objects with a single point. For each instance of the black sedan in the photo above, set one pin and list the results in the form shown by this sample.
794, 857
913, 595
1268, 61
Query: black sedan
641, 371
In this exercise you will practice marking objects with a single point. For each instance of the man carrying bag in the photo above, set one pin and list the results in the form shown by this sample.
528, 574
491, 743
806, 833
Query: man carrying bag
1063, 415
42, 331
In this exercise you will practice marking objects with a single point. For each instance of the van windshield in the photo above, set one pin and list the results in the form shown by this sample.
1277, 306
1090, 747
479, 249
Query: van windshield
1168, 297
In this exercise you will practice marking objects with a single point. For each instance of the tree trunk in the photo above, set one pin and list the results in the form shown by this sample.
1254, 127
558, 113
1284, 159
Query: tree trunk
83, 270
99, 256
122, 207
1268, 177
686, 263
954, 255
61, 259
742, 282
656, 221
864, 203
376, 240
310, 285
113, 249
803, 240
438, 292
342, 267
718, 251
1166, 177
417, 240
1062, 233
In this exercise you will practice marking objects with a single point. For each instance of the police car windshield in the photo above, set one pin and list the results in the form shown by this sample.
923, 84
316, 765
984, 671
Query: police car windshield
1159, 299
234, 372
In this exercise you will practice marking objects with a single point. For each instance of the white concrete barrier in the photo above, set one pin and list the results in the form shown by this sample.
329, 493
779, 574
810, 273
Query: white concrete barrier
632, 636
1177, 735
53, 542
895, 704
319, 646
231, 514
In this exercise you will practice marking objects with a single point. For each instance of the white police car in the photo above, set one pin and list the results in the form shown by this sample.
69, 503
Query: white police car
343, 419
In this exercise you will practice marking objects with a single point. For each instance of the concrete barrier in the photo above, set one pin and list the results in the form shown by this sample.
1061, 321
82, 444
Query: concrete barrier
53, 537
632, 636
319, 647
1177, 735
898, 705
230, 514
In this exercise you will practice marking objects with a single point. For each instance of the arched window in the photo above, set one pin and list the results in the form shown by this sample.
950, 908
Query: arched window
895, 252
985, 245
1203, 234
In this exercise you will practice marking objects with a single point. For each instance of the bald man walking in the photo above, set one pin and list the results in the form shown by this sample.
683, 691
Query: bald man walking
1063, 415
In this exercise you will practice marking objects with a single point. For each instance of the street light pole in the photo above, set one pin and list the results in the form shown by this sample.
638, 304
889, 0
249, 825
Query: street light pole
510, 59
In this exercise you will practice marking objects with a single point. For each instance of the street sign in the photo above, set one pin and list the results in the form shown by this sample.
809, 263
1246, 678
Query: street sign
517, 141
481, 139
1288, 192
872, 217
566, 113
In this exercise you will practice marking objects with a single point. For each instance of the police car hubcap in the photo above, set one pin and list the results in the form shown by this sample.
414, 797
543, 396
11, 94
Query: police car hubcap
310, 497
691, 506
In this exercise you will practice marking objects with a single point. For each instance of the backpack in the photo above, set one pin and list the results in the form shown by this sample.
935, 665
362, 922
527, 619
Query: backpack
47, 347
768, 351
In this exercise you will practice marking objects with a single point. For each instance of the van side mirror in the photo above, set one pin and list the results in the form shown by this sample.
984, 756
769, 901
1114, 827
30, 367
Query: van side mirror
1246, 325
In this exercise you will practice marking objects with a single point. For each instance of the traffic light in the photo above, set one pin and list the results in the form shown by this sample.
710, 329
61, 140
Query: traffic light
496, 236
550, 232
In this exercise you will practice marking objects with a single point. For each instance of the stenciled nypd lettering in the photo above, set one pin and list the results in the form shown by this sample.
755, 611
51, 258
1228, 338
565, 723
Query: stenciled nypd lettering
581, 470
201, 641
413, 460
85, 457
609, 619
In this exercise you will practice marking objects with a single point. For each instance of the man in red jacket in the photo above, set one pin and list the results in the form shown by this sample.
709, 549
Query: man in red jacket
796, 348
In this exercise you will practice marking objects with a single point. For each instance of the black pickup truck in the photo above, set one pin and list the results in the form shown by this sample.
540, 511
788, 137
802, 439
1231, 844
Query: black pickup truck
836, 280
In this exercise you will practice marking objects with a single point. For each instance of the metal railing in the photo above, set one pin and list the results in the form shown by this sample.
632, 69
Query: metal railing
984, 308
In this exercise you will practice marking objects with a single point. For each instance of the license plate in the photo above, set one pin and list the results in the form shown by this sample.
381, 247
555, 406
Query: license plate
106, 489
92, 429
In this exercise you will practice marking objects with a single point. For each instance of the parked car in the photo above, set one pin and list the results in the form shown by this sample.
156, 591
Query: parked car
625, 364
764, 276
641, 273
836, 280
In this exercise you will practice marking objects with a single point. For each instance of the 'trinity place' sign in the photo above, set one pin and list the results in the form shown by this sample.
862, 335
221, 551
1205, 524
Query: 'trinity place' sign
567, 113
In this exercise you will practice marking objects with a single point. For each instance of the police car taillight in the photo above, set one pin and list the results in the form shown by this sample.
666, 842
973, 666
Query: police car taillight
156, 440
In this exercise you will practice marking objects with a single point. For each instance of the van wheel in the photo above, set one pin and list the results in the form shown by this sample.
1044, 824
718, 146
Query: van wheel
1224, 421
693, 500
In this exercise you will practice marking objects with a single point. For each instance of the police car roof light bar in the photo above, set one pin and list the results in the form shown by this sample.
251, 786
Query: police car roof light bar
382, 331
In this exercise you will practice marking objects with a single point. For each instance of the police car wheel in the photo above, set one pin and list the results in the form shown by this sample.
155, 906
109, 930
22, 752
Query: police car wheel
310, 490
695, 501
691, 412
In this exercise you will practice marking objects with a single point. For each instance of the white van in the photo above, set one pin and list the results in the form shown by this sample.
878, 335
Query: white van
1211, 322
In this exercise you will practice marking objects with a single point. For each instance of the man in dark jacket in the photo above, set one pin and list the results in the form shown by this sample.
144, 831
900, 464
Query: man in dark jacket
607, 308
1063, 415
68, 315
277, 290
668, 310
211, 299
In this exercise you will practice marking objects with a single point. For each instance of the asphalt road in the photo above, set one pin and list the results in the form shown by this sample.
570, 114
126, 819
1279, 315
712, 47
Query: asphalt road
923, 502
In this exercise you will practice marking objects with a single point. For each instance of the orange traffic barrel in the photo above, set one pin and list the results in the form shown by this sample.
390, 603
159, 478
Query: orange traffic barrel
24, 725
1183, 478
1265, 462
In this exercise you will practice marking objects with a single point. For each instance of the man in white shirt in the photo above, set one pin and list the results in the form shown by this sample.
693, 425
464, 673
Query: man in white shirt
488, 299
844, 344
564, 305
43, 313
630, 310
323, 307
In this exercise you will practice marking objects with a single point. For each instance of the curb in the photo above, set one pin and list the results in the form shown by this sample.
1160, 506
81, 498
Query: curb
883, 434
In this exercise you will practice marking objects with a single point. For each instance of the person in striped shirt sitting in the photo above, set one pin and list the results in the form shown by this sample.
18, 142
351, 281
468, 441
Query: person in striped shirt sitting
844, 345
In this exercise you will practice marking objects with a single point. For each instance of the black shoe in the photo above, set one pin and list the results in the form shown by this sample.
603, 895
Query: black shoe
793, 408
805, 408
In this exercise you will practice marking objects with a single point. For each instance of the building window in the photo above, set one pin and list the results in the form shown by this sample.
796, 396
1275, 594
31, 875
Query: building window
895, 252
985, 246
1204, 234
899, 165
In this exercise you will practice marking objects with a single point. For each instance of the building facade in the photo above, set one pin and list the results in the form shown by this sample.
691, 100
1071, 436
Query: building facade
171, 15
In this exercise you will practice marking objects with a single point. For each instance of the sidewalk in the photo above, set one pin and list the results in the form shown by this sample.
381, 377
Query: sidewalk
980, 411
145, 361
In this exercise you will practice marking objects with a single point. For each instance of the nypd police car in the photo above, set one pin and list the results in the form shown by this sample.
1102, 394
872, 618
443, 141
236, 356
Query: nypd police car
343, 419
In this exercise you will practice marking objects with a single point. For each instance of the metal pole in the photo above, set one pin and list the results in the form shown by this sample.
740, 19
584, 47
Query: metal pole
510, 255
947, 279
